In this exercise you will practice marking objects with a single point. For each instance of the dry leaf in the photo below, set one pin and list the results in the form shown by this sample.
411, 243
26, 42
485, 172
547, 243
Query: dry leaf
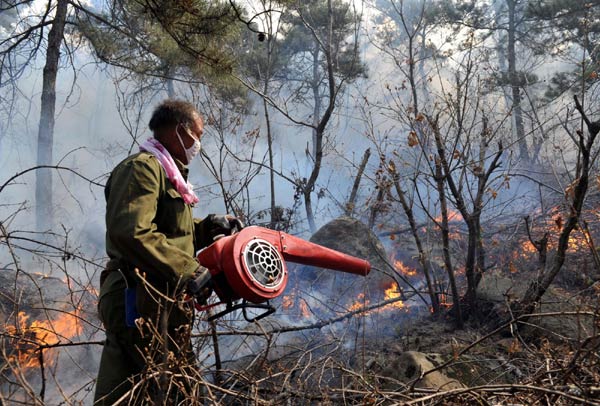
392, 167
570, 190
514, 346
558, 221
412, 139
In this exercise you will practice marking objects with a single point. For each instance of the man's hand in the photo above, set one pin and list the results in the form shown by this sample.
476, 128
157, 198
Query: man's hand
200, 285
224, 224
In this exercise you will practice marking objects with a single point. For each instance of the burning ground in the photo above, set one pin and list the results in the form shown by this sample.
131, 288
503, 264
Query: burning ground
48, 341
343, 339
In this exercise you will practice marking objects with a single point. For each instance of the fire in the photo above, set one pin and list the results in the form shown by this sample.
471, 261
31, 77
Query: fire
287, 302
444, 300
453, 215
389, 293
403, 269
304, 310
28, 335
527, 247
360, 303
392, 293
577, 244
92, 290
292, 301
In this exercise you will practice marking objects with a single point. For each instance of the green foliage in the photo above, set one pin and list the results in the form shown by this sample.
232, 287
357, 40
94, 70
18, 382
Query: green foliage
521, 79
306, 26
175, 40
571, 25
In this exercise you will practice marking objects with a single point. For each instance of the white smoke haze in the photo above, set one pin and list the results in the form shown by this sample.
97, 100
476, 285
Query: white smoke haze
91, 139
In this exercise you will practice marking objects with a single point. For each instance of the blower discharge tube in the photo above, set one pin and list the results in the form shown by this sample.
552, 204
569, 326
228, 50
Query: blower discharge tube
307, 253
251, 265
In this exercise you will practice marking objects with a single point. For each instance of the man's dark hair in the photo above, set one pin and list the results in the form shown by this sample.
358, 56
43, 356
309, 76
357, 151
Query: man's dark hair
172, 112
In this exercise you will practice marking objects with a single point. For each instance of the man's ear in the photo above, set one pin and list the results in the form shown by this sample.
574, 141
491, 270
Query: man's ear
162, 135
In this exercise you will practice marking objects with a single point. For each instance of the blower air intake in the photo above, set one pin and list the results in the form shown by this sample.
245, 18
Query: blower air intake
251, 265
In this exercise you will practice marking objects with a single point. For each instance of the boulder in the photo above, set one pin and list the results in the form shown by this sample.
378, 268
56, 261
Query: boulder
496, 291
352, 237
411, 365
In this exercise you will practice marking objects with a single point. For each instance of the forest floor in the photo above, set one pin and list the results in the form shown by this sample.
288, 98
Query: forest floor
551, 358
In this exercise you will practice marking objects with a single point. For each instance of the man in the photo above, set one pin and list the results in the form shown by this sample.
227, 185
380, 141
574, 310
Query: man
151, 238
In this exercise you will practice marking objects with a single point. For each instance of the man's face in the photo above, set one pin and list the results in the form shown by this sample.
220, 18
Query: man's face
193, 133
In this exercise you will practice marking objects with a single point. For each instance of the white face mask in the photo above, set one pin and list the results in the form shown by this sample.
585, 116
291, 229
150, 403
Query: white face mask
191, 152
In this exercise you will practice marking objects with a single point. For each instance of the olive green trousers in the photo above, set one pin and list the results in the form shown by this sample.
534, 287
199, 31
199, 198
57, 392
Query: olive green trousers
127, 351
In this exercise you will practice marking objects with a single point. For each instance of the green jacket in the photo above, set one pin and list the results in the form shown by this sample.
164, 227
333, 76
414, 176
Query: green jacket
148, 225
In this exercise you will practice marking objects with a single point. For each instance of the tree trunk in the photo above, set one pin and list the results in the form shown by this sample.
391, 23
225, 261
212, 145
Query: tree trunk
267, 77
513, 77
538, 287
411, 74
321, 122
423, 56
351, 204
316, 115
435, 303
470, 266
170, 88
439, 179
376, 207
274, 216
43, 189
317, 141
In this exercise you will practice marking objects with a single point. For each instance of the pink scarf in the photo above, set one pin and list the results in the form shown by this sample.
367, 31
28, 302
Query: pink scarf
184, 188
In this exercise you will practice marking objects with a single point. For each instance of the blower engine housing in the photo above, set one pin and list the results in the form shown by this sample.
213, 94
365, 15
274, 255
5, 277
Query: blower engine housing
251, 264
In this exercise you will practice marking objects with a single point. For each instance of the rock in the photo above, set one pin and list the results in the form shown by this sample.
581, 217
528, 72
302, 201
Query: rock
352, 237
495, 291
410, 365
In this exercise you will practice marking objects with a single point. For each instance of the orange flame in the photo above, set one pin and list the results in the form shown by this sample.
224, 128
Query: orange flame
392, 293
29, 335
290, 302
403, 269
360, 303
453, 215
304, 310
444, 300
526, 250
91, 289
287, 302
577, 244
528, 247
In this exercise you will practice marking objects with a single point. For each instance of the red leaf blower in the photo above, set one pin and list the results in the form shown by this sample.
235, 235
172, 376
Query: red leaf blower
251, 265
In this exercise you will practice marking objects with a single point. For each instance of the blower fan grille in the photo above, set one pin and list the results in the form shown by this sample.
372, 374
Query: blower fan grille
264, 263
